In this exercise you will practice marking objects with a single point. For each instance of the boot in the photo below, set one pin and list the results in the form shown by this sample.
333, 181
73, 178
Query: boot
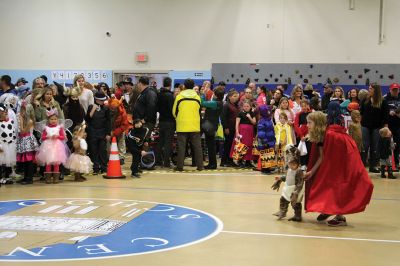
390, 173
82, 177
297, 213
78, 178
283, 208
47, 177
56, 177
383, 171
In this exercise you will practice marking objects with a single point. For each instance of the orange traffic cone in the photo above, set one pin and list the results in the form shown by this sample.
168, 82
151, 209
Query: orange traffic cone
114, 166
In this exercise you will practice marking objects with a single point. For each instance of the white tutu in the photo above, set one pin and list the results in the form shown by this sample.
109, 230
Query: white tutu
79, 163
8, 156
52, 151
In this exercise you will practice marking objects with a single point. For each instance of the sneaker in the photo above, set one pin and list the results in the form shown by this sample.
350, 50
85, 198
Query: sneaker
322, 217
176, 169
374, 170
210, 167
27, 182
135, 175
338, 221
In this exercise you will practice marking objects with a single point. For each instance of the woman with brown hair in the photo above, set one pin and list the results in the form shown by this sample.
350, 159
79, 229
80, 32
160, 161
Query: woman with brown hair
374, 112
45, 102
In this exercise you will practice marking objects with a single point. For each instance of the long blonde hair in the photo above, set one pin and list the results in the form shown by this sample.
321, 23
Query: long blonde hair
295, 88
317, 134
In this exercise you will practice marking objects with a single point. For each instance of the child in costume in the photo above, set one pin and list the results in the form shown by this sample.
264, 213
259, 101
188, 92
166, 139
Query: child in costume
79, 162
301, 128
283, 136
98, 119
355, 129
293, 189
7, 145
53, 150
266, 138
244, 131
385, 148
27, 145
332, 190
134, 142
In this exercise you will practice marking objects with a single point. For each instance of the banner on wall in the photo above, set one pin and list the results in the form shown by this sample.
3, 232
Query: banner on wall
60, 76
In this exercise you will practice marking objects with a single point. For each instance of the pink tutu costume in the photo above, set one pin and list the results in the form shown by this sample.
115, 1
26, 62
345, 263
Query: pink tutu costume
52, 151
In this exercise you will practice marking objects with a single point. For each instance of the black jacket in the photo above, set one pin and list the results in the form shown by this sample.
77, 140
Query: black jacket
165, 102
100, 123
393, 105
372, 117
325, 101
146, 106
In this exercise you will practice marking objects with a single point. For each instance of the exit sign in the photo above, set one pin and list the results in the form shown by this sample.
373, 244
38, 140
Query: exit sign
142, 57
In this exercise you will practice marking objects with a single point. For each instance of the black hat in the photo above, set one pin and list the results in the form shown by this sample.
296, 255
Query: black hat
100, 96
23, 80
137, 120
128, 80
44, 77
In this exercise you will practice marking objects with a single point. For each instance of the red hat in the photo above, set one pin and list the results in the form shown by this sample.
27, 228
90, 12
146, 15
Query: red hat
394, 86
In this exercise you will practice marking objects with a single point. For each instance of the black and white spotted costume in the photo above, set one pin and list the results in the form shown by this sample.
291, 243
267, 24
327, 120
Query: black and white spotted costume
8, 155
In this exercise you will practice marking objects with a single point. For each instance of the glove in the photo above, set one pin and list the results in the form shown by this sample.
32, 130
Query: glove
276, 185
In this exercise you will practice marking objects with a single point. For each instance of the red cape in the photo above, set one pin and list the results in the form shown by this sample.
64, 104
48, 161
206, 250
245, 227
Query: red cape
341, 185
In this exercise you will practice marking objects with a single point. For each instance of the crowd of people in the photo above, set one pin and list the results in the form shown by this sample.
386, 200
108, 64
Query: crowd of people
249, 129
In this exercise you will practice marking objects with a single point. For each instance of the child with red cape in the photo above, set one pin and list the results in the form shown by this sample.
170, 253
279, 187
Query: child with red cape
336, 182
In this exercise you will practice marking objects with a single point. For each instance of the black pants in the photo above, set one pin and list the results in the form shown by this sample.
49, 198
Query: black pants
212, 149
164, 145
396, 139
5, 171
98, 152
136, 155
28, 170
227, 146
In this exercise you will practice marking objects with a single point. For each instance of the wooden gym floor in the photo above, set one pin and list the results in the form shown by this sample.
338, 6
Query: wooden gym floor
244, 202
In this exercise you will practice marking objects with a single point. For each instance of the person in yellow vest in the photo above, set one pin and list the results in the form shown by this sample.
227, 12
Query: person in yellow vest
186, 110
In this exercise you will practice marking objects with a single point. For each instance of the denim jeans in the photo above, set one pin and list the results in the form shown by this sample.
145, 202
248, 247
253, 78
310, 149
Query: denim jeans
370, 141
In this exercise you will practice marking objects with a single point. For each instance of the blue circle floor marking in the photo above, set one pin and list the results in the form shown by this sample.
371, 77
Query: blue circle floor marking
93, 228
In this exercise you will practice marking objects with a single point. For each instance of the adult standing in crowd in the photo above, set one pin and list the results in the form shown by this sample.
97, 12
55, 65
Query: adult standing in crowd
206, 89
45, 102
296, 98
374, 112
230, 112
145, 107
6, 86
186, 110
127, 102
210, 124
326, 98
73, 109
104, 88
166, 124
248, 95
278, 94
393, 101
86, 97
